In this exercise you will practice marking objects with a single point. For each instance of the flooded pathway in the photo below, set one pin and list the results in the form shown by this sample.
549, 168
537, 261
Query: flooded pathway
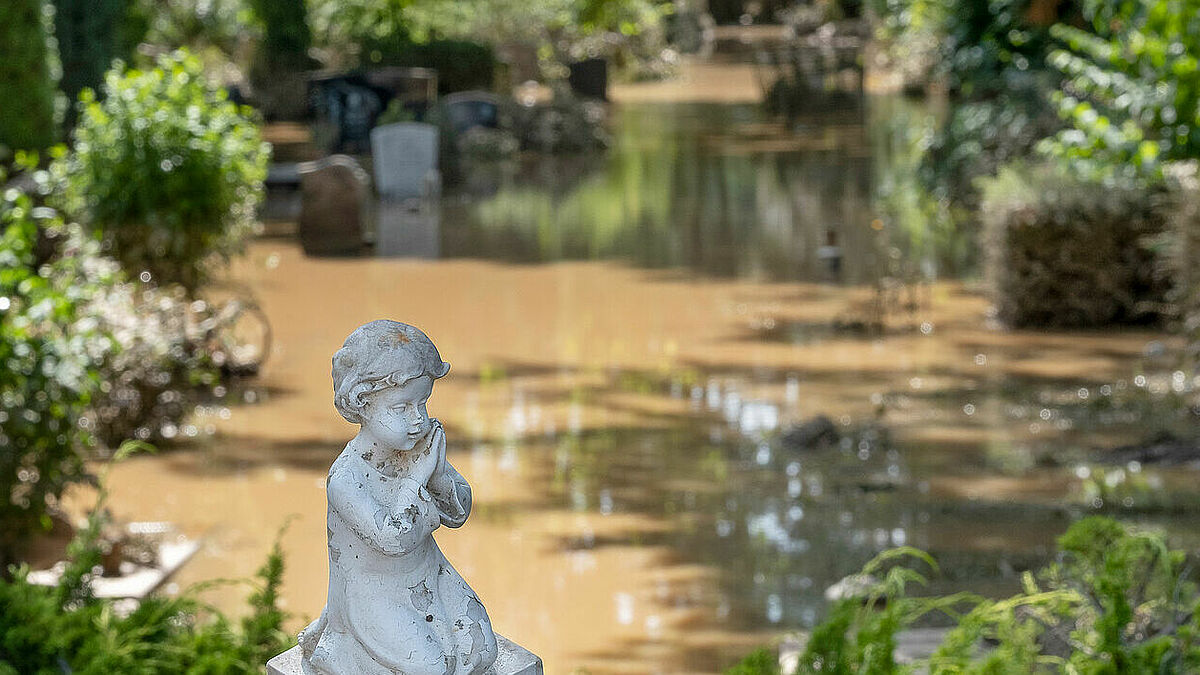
626, 346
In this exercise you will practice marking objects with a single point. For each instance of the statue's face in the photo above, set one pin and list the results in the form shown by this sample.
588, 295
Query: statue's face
396, 417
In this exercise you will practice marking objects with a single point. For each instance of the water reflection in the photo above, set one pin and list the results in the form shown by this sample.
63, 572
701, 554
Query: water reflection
407, 229
715, 189
783, 523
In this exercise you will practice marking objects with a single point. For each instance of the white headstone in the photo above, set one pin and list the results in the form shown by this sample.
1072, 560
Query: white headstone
404, 155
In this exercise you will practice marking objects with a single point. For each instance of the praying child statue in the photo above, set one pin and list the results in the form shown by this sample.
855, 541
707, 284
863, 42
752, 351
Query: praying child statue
395, 604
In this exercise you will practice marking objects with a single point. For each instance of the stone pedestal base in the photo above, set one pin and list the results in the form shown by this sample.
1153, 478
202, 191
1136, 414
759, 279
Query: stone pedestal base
512, 660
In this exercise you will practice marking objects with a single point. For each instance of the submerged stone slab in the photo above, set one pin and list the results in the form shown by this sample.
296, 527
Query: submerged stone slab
512, 660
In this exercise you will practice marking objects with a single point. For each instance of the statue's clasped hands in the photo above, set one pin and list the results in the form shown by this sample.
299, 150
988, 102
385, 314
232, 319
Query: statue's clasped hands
428, 458
426, 462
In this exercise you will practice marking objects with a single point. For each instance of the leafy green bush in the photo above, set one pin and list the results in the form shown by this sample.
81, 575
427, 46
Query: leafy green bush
27, 120
65, 629
167, 170
158, 369
1132, 90
1117, 600
1068, 252
89, 360
48, 363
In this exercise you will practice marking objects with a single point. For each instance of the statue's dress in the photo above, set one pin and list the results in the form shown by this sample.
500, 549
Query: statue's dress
395, 604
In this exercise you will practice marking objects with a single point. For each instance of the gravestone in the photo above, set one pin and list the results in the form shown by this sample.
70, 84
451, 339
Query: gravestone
404, 159
467, 109
345, 107
589, 78
333, 201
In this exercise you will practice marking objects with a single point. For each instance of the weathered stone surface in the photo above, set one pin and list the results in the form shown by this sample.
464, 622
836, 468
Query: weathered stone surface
403, 156
333, 198
512, 660
395, 603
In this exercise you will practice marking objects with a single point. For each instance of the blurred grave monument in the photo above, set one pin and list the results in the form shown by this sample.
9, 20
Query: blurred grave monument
404, 160
346, 106
467, 109
333, 203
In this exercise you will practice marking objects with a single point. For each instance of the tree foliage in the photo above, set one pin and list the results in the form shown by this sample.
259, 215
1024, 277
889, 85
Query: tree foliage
1131, 94
90, 34
27, 111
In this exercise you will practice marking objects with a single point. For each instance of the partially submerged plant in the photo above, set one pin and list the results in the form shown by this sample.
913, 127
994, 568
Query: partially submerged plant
1117, 600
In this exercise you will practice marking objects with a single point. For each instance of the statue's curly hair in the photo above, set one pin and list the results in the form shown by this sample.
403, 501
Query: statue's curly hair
377, 355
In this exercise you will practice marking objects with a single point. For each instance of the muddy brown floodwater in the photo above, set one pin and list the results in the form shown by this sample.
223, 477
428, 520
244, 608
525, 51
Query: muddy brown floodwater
622, 368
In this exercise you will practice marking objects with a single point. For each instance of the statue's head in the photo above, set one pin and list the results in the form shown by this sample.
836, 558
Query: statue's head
380, 355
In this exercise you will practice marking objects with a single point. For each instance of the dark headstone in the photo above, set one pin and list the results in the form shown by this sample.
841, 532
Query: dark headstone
346, 106
333, 198
589, 78
468, 109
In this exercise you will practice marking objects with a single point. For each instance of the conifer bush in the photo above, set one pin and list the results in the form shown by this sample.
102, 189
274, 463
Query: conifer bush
27, 120
89, 34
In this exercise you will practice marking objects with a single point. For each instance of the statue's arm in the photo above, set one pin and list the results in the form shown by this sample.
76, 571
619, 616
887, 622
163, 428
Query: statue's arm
392, 531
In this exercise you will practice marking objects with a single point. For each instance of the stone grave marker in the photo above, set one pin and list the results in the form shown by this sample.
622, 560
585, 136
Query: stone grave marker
404, 156
333, 201
468, 109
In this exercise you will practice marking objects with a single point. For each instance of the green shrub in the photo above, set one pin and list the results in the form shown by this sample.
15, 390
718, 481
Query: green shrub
286, 36
48, 363
27, 119
1068, 252
167, 170
1117, 600
90, 34
65, 629
1132, 91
